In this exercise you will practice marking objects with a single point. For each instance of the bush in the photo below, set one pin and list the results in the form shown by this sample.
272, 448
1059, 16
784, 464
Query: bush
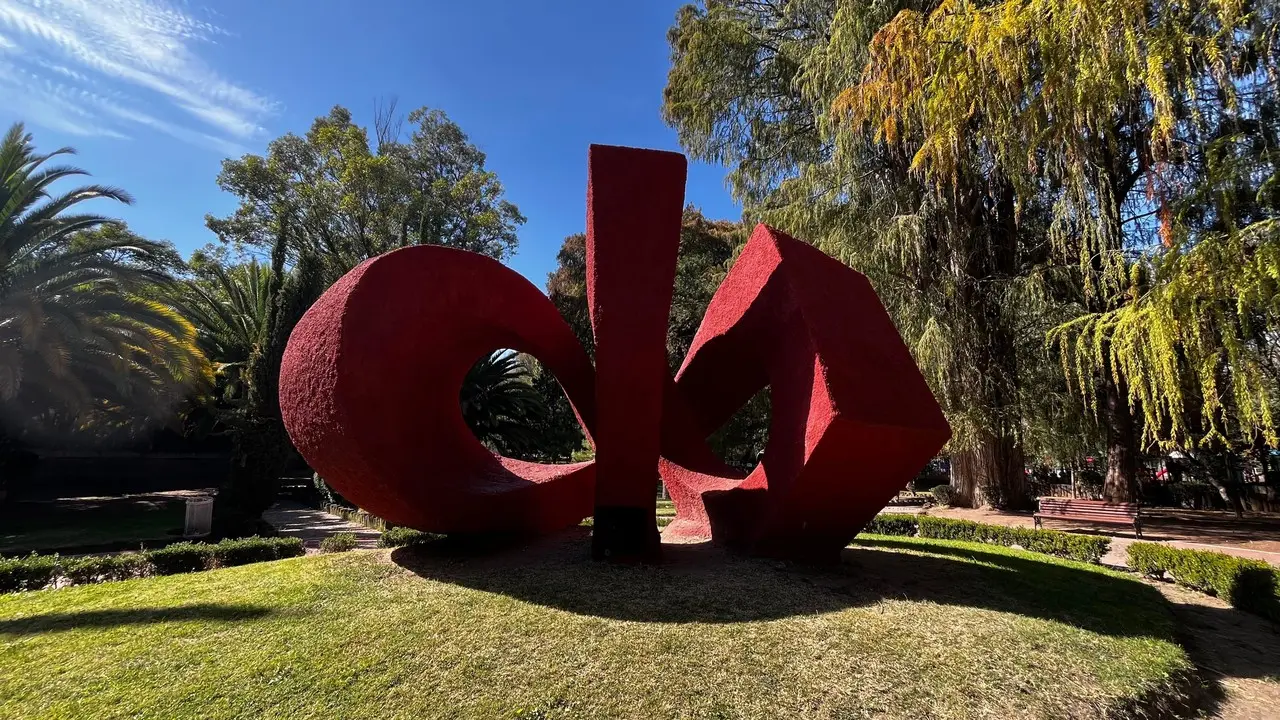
181, 557
1084, 548
27, 573
892, 524
243, 551
401, 536
942, 494
103, 568
338, 542
1247, 584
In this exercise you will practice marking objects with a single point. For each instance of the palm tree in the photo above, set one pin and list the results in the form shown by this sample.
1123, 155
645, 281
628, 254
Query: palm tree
499, 402
86, 340
229, 306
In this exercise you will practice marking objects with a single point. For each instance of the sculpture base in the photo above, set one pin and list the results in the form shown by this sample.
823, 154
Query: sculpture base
625, 534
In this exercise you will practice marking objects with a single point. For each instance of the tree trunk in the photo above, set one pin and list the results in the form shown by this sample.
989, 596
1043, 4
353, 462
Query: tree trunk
1121, 484
993, 473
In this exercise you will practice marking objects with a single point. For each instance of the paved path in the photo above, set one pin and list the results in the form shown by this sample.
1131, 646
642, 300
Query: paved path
293, 519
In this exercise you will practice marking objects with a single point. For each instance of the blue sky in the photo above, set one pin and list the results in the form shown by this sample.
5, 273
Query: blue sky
154, 93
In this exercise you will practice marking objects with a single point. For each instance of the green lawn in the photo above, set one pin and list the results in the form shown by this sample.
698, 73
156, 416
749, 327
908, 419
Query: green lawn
72, 524
903, 628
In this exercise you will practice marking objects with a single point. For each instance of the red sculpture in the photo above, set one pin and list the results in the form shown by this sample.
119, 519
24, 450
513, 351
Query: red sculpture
370, 381
851, 421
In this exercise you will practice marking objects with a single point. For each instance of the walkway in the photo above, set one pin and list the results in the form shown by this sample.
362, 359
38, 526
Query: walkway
294, 519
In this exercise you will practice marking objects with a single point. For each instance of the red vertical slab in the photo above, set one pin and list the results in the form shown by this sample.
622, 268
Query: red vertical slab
634, 204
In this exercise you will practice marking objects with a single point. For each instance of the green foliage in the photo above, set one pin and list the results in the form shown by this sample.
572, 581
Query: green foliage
402, 536
338, 542
893, 524
1247, 584
183, 557
1161, 150
500, 404
347, 199
37, 571
83, 332
942, 494
1050, 542
243, 551
104, 568
27, 573
229, 305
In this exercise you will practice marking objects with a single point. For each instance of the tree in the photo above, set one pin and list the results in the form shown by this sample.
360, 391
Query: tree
1107, 111
346, 201
752, 86
88, 346
228, 306
499, 403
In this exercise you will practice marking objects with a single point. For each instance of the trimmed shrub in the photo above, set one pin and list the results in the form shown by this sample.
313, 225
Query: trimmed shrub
27, 573
103, 568
338, 542
942, 494
1085, 548
892, 524
1247, 584
181, 557
243, 551
401, 536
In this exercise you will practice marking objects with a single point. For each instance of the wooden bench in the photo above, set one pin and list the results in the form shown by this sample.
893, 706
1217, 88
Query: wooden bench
1092, 511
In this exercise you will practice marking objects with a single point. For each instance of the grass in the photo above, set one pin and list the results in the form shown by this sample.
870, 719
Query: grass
84, 524
903, 628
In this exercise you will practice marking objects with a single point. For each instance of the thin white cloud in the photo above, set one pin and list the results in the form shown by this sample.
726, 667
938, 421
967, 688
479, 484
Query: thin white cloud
134, 61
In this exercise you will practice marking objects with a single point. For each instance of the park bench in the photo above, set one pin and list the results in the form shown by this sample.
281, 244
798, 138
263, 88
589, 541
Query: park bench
1092, 511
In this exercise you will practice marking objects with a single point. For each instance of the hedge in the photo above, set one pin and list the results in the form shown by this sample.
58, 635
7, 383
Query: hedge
339, 542
942, 494
29, 573
102, 568
243, 551
893, 524
38, 571
1247, 584
401, 536
183, 557
1085, 548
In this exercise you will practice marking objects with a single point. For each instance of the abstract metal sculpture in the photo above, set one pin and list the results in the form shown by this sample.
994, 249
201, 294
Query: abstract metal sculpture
370, 381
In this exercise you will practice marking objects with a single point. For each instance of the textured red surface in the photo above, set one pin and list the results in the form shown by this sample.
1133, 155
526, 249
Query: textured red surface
634, 203
371, 377
852, 419
369, 392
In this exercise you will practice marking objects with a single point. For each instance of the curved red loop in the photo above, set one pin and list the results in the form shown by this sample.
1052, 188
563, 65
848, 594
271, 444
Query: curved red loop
369, 390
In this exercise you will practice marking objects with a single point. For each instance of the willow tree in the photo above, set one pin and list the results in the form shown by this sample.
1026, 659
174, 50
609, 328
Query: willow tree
1100, 110
752, 86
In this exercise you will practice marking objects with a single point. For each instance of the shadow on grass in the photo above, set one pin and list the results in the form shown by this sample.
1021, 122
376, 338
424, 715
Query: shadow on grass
98, 619
701, 583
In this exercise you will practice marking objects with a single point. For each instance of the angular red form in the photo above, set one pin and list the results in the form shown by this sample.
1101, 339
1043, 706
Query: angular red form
852, 418
634, 203
370, 382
